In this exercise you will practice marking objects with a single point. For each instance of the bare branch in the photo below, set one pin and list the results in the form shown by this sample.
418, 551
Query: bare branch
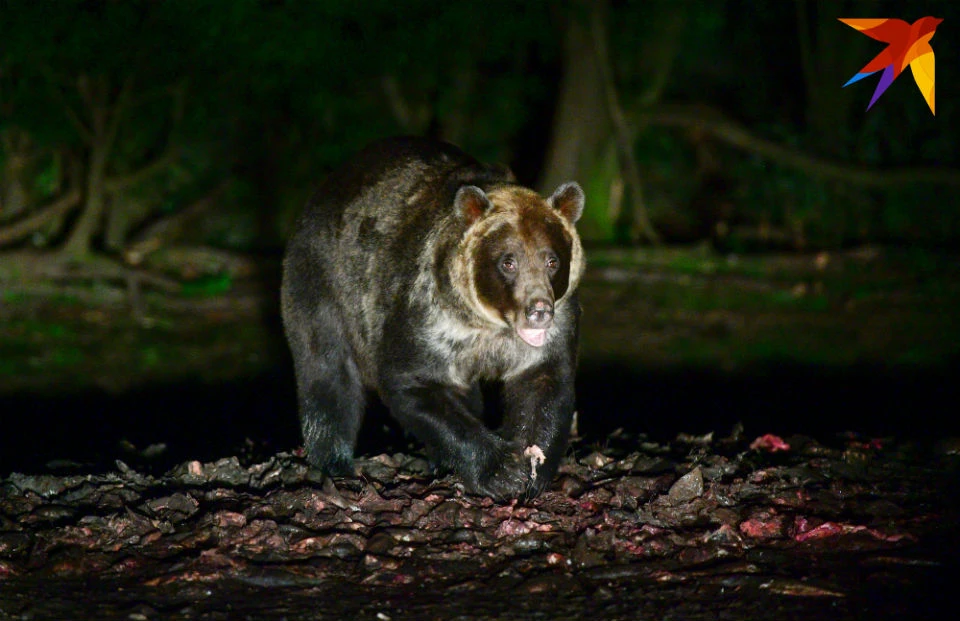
631, 169
86, 134
168, 157
22, 228
711, 121
665, 54
161, 162
169, 228
47, 266
119, 110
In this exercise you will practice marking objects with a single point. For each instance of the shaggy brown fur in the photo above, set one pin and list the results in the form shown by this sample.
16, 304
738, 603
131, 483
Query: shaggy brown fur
417, 272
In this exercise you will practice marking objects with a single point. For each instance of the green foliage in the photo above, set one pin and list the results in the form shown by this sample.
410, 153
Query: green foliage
150, 357
924, 214
274, 94
208, 286
65, 356
32, 329
48, 177
668, 164
38, 344
599, 222
790, 200
12, 297
8, 367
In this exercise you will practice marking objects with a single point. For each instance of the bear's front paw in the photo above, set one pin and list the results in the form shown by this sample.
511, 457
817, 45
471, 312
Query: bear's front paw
508, 479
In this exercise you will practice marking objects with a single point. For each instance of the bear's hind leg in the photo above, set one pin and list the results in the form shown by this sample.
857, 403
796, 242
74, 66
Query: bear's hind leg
330, 395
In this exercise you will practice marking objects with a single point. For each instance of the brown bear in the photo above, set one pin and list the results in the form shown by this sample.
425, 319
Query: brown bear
418, 272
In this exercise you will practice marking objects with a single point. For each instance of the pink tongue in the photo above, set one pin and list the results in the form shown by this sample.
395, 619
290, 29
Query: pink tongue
533, 337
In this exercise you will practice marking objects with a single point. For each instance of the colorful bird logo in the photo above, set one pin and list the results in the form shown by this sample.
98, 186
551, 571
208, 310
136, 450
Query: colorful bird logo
908, 44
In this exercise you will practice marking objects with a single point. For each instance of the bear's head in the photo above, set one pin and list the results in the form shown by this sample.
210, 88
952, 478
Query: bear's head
520, 256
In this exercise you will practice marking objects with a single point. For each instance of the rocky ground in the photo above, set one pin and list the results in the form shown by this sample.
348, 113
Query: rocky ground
701, 528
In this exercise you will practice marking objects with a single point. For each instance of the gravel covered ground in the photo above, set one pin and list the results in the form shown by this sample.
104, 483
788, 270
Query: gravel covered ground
702, 528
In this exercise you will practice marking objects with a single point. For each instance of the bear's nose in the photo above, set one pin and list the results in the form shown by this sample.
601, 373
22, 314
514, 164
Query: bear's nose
540, 313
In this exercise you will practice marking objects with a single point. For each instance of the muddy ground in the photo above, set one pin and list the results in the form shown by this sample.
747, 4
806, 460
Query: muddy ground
154, 472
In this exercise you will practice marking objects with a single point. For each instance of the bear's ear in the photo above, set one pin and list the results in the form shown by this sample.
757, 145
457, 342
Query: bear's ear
471, 203
568, 200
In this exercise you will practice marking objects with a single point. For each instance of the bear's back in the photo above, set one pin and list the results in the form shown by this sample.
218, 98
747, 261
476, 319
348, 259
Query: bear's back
376, 223
390, 180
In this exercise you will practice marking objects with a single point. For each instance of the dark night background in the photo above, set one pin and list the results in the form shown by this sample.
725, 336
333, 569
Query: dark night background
761, 248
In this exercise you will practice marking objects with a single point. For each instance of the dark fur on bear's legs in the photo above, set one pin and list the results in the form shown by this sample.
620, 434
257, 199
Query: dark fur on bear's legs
449, 420
331, 404
329, 389
539, 410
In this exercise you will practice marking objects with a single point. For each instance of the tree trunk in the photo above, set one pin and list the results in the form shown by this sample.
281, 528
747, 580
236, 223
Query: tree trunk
581, 131
13, 198
638, 222
80, 240
14, 195
105, 117
127, 211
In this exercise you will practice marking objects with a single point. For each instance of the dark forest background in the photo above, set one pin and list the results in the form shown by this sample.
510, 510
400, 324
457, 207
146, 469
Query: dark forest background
127, 126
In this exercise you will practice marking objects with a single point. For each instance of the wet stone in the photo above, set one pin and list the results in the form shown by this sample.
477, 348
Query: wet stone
649, 465
378, 472
44, 485
726, 535
175, 507
380, 543
688, 487
596, 460
53, 513
573, 486
549, 583
529, 544
341, 550
717, 467
462, 535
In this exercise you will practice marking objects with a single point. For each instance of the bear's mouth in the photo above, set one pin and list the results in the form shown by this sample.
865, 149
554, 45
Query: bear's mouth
535, 337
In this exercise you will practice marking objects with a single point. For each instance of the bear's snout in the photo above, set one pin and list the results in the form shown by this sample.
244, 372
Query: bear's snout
539, 313
537, 317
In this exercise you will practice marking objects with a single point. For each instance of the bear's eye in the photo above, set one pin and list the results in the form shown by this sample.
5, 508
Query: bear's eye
508, 264
553, 263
